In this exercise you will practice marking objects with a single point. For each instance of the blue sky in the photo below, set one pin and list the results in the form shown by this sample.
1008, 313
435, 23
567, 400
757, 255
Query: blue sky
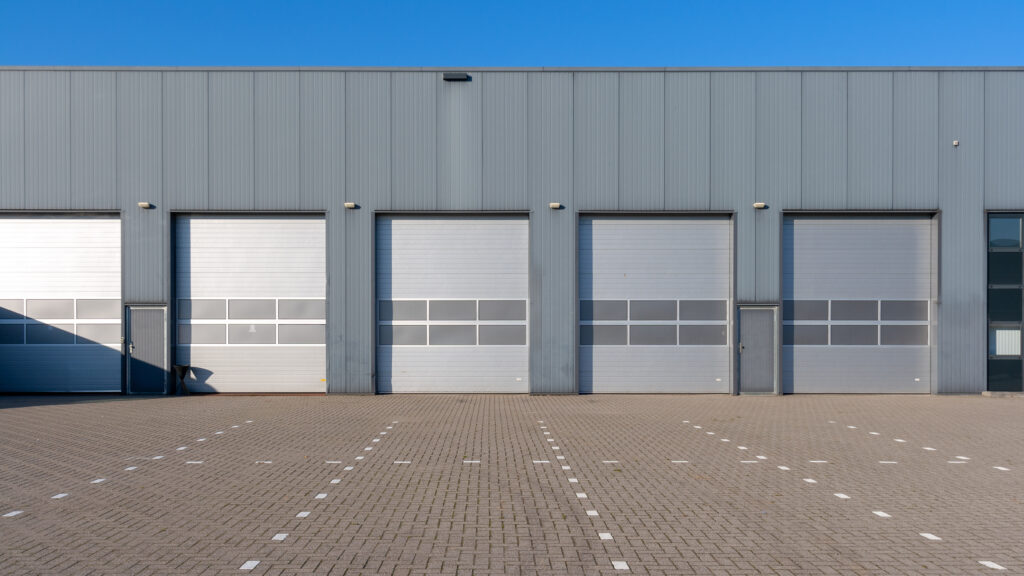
511, 33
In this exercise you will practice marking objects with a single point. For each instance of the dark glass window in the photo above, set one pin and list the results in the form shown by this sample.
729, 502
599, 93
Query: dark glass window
1004, 267
1005, 375
1004, 305
1004, 232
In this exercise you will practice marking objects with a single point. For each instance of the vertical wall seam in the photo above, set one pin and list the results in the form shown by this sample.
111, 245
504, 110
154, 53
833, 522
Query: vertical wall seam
711, 130
208, 147
70, 148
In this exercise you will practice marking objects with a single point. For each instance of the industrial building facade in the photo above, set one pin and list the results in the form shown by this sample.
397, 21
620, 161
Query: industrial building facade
512, 230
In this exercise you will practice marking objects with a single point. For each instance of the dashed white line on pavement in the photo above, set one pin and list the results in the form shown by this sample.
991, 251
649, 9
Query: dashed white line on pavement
321, 496
368, 448
332, 461
581, 495
761, 457
388, 427
200, 439
990, 564
249, 565
680, 461
302, 515
605, 535
59, 496
831, 421
609, 461
555, 448
470, 461
560, 457
930, 536
818, 461
359, 457
1003, 468
336, 481
928, 448
375, 440
264, 462
551, 439
841, 496
403, 461
130, 468
234, 426
742, 447
574, 481
725, 439
874, 433
749, 461
200, 462
280, 536
852, 427
697, 427
900, 440
98, 481
962, 458
219, 432
620, 565
566, 468
955, 462
248, 421
710, 433
542, 461
810, 480
783, 467
880, 514
158, 457
591, 512
13, 513
180, 448
887, 462
348, 468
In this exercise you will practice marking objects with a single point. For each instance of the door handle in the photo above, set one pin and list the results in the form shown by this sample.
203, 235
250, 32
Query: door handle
741, 347
131, 347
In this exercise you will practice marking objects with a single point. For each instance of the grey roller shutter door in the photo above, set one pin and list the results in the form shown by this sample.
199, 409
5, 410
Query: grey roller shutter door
857, 304
60, 304
655, 304
452, 304
250, 308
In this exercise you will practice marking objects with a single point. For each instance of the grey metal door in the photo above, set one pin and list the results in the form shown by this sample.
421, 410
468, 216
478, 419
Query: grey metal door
145, 349
757, 350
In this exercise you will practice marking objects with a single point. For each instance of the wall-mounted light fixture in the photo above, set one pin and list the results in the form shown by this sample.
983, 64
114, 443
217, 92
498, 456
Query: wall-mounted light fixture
555, 205
145, 205
351, 205
760, 205
456, 77
956, 143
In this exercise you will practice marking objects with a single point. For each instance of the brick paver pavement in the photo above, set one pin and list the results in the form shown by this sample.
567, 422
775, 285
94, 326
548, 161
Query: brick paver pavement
450, 485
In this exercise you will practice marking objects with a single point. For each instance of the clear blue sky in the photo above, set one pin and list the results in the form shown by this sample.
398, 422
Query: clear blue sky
511, 33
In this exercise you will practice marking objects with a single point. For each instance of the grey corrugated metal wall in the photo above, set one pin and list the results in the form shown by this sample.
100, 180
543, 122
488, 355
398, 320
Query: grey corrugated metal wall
404, 140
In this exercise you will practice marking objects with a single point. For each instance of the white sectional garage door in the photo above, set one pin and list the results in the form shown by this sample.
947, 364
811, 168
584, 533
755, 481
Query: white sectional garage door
452, 304
251, 303
60, 304
857, 304
655, 304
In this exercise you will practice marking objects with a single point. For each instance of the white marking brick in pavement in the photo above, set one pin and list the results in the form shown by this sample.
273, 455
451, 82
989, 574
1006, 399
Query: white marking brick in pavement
98, 481
852, 427
359, 457
810, 480
302, 514
609, 461
321, 496
403, 461
264, 462
336, 481
200, 462
375, 440
990, 564
158, 457
605, 535
955, 462
697, 427
13, 513
368, 448
234, 426
928, 448
248, 421
581, 495
887, 462
680, 461
930, 536
591, 512
130, 468
874, 433
59, 496
200, 439
249, 565
574, 481
280, 536
783, 467
1003, 468
900, 440
566, 468
881, 514
470, 461
710, 433
962, 458
725, 439
818, 461
560, 457
749, 461
180, 448
347, 468
761, 457
219, 432
542, 461
841, 496
332, 461
742, 447
620, 565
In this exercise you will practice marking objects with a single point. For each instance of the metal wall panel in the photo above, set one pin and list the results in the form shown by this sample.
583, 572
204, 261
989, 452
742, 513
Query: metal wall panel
596, 140
687, 141
641, 141
733, 110
459, 143
552, 322
186, 140
864, 259
232, 133
12, 139
414, 140
47, 140
962, 315
824, 154
504, 140
322, 141
915, 168
93, 140
1004, 140
139, 179
870, 141
777, 176
278, 110
368, 183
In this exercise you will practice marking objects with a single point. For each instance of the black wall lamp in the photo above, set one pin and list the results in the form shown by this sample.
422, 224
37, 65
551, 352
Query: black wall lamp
456, 77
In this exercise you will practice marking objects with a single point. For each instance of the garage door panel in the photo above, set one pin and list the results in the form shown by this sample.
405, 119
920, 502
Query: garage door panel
452, 299
621, 369
455, 370
256, 369
60, 296
857, 299
251, 302
856, 370
654, 304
